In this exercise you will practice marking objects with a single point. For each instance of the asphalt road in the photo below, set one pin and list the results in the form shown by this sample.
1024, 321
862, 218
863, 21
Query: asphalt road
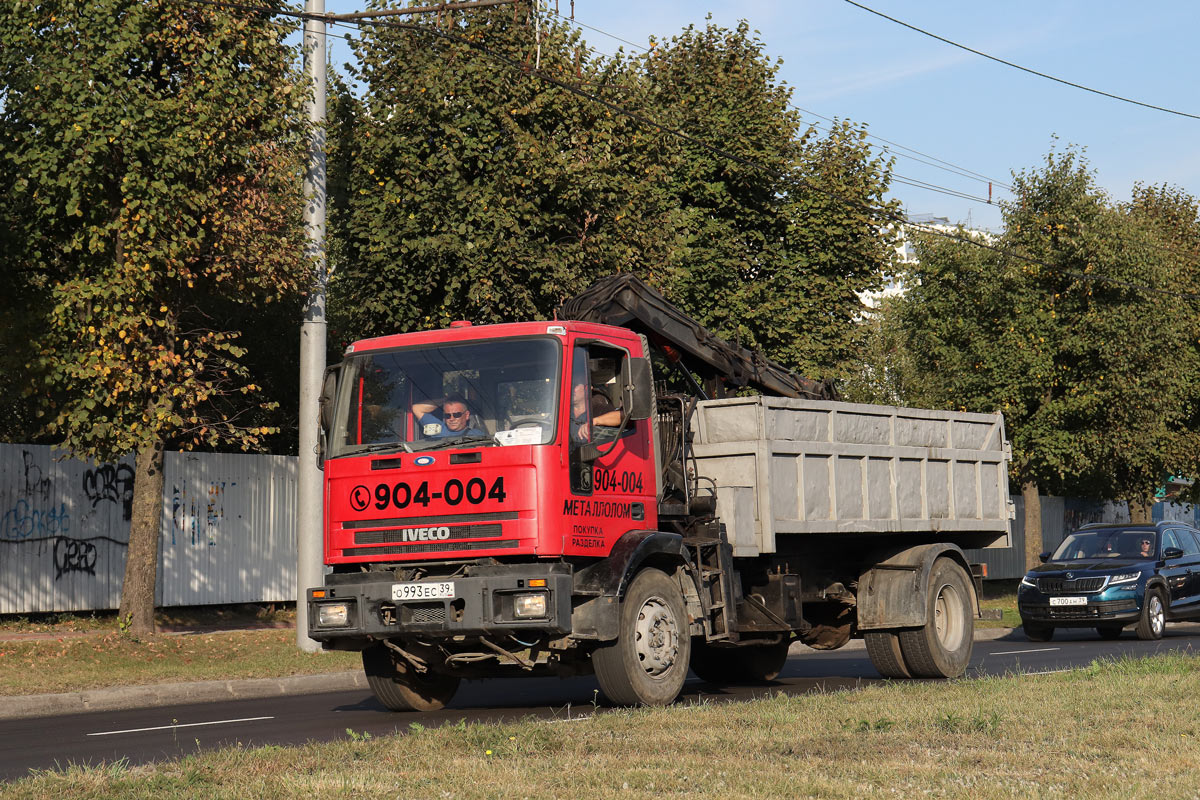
143, 735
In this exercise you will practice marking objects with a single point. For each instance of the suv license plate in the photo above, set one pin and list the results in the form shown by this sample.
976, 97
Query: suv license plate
1068, 601
423, 590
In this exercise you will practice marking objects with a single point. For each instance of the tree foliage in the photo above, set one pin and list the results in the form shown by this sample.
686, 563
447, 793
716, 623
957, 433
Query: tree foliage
1070, 323
151, 159
477, 190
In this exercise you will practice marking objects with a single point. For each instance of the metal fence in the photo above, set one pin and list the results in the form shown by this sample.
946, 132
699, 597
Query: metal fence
228, 530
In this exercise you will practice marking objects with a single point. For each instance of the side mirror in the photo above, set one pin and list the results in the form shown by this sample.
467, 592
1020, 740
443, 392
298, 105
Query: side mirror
328, 395
1172, 552
638, 390
1044, 556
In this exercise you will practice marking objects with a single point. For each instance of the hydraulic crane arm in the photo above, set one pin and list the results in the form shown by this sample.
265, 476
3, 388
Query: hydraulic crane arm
625, 300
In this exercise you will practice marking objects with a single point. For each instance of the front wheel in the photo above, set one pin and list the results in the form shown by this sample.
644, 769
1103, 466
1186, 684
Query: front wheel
648, 662
1037, 633
400, 687
1154, 616
941, 648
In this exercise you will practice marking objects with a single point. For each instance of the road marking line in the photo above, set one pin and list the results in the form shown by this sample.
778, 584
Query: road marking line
181, 725
1019, 652
1051, 671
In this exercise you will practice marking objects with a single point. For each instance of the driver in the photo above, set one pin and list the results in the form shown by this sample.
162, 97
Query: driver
456, 418
602, 413
1145, 547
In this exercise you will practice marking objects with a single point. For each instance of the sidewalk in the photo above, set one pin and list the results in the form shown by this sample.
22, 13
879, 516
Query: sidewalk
119, 698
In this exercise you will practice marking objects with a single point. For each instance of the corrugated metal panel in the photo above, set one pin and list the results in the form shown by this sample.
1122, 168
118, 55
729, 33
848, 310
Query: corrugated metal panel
228, 529
64, 531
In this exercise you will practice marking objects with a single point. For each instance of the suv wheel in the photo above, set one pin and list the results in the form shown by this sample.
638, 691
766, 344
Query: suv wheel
1037, 633
1154, 616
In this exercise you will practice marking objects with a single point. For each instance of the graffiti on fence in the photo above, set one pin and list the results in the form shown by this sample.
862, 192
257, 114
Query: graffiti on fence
111, 483
74, 555
22, 521
198, 517
35, 483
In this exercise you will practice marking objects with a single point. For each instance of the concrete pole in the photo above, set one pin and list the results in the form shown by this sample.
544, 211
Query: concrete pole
309, 490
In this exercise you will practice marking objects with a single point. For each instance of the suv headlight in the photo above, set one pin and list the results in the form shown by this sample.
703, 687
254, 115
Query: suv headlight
1125, 577
1029, 581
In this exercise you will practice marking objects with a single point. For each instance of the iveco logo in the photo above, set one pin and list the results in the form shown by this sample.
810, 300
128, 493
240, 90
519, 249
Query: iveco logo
424, 534
423, 461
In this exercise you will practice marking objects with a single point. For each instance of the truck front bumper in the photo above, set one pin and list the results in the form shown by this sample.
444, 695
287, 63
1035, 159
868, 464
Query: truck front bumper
354, 610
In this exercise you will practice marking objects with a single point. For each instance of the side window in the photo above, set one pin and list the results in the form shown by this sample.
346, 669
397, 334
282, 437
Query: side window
595, 413
1169, 539
1188, 543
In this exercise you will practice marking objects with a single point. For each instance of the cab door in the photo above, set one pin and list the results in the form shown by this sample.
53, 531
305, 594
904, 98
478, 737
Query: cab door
613, 492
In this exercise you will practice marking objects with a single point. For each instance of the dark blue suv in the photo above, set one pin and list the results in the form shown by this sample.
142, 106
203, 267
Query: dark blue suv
1109, 576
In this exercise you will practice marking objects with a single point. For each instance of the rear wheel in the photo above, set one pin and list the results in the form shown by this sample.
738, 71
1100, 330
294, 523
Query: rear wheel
648, 662
884, 649
942, 647
400, 687
1154, 616
1109, 632
1037, 633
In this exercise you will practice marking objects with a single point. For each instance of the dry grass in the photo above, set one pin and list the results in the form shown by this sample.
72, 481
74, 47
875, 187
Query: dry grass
74, 663
1123, 729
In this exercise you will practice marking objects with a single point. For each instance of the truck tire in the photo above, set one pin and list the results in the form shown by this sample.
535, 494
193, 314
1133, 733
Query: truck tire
1154, 616
884, 649
648, 662
747, 664
942, 647
408, 690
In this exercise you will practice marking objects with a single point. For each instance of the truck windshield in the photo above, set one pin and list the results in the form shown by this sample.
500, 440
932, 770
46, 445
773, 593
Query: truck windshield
500, 392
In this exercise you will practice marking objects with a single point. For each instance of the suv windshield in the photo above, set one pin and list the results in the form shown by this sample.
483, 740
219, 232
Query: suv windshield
496, 392
1108, 543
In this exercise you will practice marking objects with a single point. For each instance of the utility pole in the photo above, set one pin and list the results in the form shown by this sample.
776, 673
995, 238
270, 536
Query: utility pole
309, 505
310, 514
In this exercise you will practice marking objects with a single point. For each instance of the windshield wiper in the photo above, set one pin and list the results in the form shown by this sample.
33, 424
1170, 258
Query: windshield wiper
453, 441
377, 447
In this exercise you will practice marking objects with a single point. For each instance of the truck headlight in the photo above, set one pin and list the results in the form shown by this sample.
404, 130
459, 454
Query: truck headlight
529, 605
333, 615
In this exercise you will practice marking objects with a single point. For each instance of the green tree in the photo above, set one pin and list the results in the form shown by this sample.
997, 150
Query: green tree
152, 153
782, 228
1064, 341
472, 189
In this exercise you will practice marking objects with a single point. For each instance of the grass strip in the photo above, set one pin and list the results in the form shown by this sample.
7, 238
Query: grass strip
1119, 729
76, 663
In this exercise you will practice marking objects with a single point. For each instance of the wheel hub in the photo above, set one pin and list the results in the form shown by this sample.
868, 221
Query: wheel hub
657, 640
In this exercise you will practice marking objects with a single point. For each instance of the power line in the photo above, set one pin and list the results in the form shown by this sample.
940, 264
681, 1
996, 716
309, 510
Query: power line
646, 121
941, 164
1018, 66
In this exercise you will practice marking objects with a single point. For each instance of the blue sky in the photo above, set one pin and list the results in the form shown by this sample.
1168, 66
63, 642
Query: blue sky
948, 104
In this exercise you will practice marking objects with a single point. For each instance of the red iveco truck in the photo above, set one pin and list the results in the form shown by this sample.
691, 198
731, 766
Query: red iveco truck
605, 493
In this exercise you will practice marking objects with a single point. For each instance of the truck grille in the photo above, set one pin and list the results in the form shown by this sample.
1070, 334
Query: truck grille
1077, 586
489, 531
429, 547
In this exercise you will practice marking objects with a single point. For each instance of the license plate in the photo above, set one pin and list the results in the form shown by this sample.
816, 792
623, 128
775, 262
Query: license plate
1068, 601
423, 590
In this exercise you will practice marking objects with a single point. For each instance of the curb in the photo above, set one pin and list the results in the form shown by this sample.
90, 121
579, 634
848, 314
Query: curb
120, 698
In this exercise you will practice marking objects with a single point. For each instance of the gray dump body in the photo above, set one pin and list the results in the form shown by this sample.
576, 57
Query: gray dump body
786, 467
